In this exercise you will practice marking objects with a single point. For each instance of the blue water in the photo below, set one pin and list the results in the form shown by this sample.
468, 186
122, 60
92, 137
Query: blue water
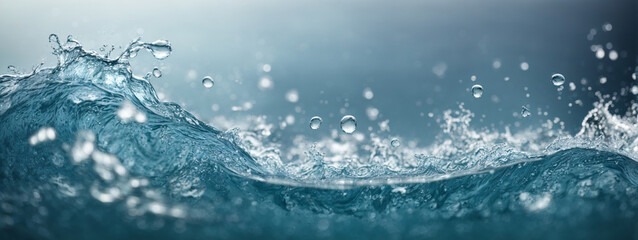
90, 152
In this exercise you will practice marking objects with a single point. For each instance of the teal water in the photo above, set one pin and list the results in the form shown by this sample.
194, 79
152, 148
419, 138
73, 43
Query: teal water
90, 152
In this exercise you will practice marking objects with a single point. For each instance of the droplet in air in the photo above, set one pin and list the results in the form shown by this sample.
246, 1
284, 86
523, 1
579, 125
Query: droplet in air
292, 96
525, 112
600, 53
157, 73
558, 79
603, 80
607, 27
372, 113
367, 93
160, 49
395, 142
315, 122
55, 42
348, 124
265, 83
266, 68
12, 69
524, 66
477, 91
613, 55
208, 82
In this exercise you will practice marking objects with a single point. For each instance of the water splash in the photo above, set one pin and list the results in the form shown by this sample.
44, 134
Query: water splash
107, 151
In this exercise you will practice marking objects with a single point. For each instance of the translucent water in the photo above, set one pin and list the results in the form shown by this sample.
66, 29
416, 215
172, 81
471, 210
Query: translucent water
348, 124
477, 91
367, 93
525, 112
90, 152
208, 82
395, 142
315, 122
157, 73
558, 79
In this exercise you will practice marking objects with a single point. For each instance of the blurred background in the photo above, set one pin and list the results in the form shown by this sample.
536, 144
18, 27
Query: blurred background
408, 61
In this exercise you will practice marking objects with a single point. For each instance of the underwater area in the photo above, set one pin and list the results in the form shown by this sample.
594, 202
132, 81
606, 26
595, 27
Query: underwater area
319, 120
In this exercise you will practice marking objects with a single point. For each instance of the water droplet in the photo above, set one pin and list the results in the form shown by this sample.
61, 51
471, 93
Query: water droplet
524, 66
558, 79
525, 112
367, 93
160, 49
477, 91
265, 83
613, 55
348, 124
208, 82
12, 69
266, 68
55, 42
372, 113
496, 64
157, 73
600, 53
633, 76
603, 80
292, 96
315, 122
607, 27
473, 78
395, 142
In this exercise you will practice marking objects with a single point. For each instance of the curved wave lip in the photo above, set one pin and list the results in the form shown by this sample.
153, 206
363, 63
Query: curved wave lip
89, 151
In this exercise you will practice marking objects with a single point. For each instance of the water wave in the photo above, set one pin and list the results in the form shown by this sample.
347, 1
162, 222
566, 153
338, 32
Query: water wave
89, 151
